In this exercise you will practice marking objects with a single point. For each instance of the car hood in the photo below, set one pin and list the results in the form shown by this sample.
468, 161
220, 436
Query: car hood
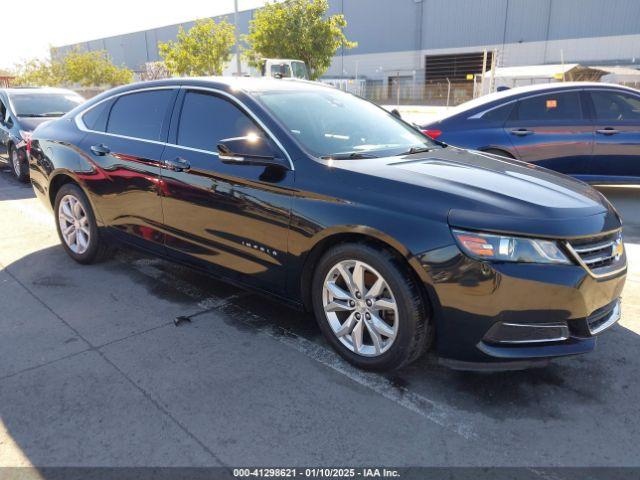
30, 123
487, 192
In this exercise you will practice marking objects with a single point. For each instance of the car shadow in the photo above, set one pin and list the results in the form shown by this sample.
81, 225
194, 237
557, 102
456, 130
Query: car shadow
11, 188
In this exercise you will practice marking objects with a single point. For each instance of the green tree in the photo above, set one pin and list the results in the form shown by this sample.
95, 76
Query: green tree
90, 69
37, 72
203, 50
86, 69
297, 29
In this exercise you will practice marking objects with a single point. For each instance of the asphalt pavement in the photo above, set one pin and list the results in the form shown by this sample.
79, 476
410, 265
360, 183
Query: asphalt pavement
94, 372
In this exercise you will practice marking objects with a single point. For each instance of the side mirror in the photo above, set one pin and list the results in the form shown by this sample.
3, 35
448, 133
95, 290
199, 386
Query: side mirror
396, 113
249, 150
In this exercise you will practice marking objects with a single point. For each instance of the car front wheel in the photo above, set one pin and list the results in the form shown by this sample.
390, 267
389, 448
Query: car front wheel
370, 308
77, 226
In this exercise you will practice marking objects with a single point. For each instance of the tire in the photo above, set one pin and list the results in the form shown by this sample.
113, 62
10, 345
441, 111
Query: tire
410, 319
500, 153
19, 167
94, 248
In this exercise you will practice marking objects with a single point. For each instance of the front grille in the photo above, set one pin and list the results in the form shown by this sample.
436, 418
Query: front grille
599, 254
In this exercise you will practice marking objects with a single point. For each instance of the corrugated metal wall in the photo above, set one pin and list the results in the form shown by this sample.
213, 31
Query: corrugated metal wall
383, 26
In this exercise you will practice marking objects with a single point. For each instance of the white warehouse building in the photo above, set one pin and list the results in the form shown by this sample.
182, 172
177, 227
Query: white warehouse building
422, 43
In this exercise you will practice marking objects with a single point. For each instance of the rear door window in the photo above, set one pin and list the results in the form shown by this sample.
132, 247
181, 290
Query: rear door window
549, 108
616, 106
141, 115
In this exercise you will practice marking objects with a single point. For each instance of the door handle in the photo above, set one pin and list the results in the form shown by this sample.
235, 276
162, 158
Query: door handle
521, 132
178, 164
607, 131
100, 150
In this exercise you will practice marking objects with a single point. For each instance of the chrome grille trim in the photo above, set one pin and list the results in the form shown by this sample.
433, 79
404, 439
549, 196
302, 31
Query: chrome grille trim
591, 261
597, 253
593, 248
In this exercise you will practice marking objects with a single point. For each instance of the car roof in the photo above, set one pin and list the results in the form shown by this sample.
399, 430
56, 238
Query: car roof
261, 84
247, 84
230, 85
37, 90
512, 93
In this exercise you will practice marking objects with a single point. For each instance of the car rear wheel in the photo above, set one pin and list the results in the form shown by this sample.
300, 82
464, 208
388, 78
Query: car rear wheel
19, 166
77, 226
369, 307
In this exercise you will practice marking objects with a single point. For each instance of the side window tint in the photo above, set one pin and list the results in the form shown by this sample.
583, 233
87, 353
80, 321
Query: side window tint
140, 115
499, 114
3, 111
614, 106
206, 119
550, 108
96, 118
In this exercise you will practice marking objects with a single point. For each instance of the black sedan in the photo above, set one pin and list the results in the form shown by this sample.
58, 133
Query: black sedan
329, 202
590, 131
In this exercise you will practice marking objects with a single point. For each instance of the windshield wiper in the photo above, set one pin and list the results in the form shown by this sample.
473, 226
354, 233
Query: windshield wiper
413, 150
348, 156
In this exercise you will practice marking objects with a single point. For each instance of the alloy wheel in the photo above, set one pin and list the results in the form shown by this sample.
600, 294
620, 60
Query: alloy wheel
15, 162
360, 308
74, 224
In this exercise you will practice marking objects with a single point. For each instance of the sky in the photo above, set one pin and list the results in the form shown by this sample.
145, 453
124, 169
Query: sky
40, 24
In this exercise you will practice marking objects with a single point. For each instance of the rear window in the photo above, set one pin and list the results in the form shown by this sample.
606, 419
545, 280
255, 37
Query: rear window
96, 118
498, 114
44, 104
551, 107
140, 115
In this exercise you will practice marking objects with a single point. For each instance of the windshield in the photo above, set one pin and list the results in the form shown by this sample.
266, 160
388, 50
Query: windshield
330, 123
281, 70
300, 70
44, 104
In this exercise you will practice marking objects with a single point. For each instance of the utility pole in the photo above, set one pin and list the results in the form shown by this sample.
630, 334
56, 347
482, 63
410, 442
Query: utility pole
235, 19
492, 81
484, 71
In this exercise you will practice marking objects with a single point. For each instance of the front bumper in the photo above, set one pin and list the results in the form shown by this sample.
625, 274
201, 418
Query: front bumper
517, 313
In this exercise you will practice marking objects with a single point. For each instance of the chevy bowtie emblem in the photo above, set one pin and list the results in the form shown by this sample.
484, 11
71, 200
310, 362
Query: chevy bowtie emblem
617, 249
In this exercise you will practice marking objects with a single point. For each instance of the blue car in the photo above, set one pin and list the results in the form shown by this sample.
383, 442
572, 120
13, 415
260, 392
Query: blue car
590, 131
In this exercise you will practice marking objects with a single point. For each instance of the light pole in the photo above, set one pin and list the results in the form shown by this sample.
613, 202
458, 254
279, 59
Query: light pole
235, 19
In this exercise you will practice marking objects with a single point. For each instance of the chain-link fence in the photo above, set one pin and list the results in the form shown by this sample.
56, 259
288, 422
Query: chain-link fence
407, 91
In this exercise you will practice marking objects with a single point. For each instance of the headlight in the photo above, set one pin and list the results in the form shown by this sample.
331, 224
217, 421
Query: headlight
485, 246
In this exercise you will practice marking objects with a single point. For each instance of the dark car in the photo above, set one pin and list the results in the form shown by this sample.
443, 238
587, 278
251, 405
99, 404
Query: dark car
329, 202
22, 110
590, 131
